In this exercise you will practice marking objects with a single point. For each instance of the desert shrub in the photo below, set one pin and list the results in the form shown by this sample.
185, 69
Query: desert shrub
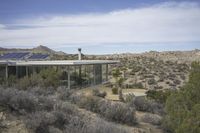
50, 77
90, 103
140, 103
114, 111
24, 83
101, 126
40, 122
64, 93
182, 107
45, 103
98, 125
42, 91
23, 101
136, 69
35, 80
143, 104
151, 118
159, 96
182, 77
177, 82
6, 95
151, 81
96, 92
43, 121
167, 82
37, 122
54, 130
158, 87
129, 97
19, 101
121, 113
115, 90
190, 122
2, 80
138, 85
66, 118
121, 97
11, 80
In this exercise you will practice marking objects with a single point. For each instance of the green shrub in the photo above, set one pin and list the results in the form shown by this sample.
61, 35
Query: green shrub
115, 90
159, 96
50, 77
183, 107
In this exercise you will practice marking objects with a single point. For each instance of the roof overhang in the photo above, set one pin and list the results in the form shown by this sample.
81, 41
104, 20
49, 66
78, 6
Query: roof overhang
57, 62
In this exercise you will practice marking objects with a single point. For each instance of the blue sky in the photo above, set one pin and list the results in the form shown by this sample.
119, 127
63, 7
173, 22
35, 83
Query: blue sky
101, 26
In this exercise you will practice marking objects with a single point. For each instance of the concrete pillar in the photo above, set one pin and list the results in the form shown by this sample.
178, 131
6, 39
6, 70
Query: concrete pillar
68, 77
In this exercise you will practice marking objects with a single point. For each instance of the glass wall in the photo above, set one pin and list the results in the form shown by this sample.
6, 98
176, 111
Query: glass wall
11, 71
85, 75
97, 74
75, 76
2, 73
80, 75
104, 73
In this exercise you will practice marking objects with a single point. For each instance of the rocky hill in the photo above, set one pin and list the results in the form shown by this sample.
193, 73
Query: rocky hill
38, 49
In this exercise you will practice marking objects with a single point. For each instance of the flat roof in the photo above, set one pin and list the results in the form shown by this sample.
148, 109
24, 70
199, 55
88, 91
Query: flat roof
56, 62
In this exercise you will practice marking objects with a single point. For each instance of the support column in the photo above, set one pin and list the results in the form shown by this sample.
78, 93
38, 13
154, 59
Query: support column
68, 77
94, 74
26, 70
6, 73
80, 76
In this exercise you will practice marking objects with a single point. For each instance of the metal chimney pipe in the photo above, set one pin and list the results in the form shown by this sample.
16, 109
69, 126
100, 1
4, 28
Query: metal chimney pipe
79, 53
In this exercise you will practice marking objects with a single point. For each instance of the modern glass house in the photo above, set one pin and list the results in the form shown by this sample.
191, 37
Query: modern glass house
75, 73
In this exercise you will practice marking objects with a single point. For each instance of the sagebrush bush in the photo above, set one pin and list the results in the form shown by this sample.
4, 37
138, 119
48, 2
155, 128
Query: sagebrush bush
143, 104
24, 101
64, 93
113, 111
121, 113
96, 92
19, 101
152, 118
66, 118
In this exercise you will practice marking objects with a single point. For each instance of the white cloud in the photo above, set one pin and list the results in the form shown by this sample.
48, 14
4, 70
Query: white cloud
167, 22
